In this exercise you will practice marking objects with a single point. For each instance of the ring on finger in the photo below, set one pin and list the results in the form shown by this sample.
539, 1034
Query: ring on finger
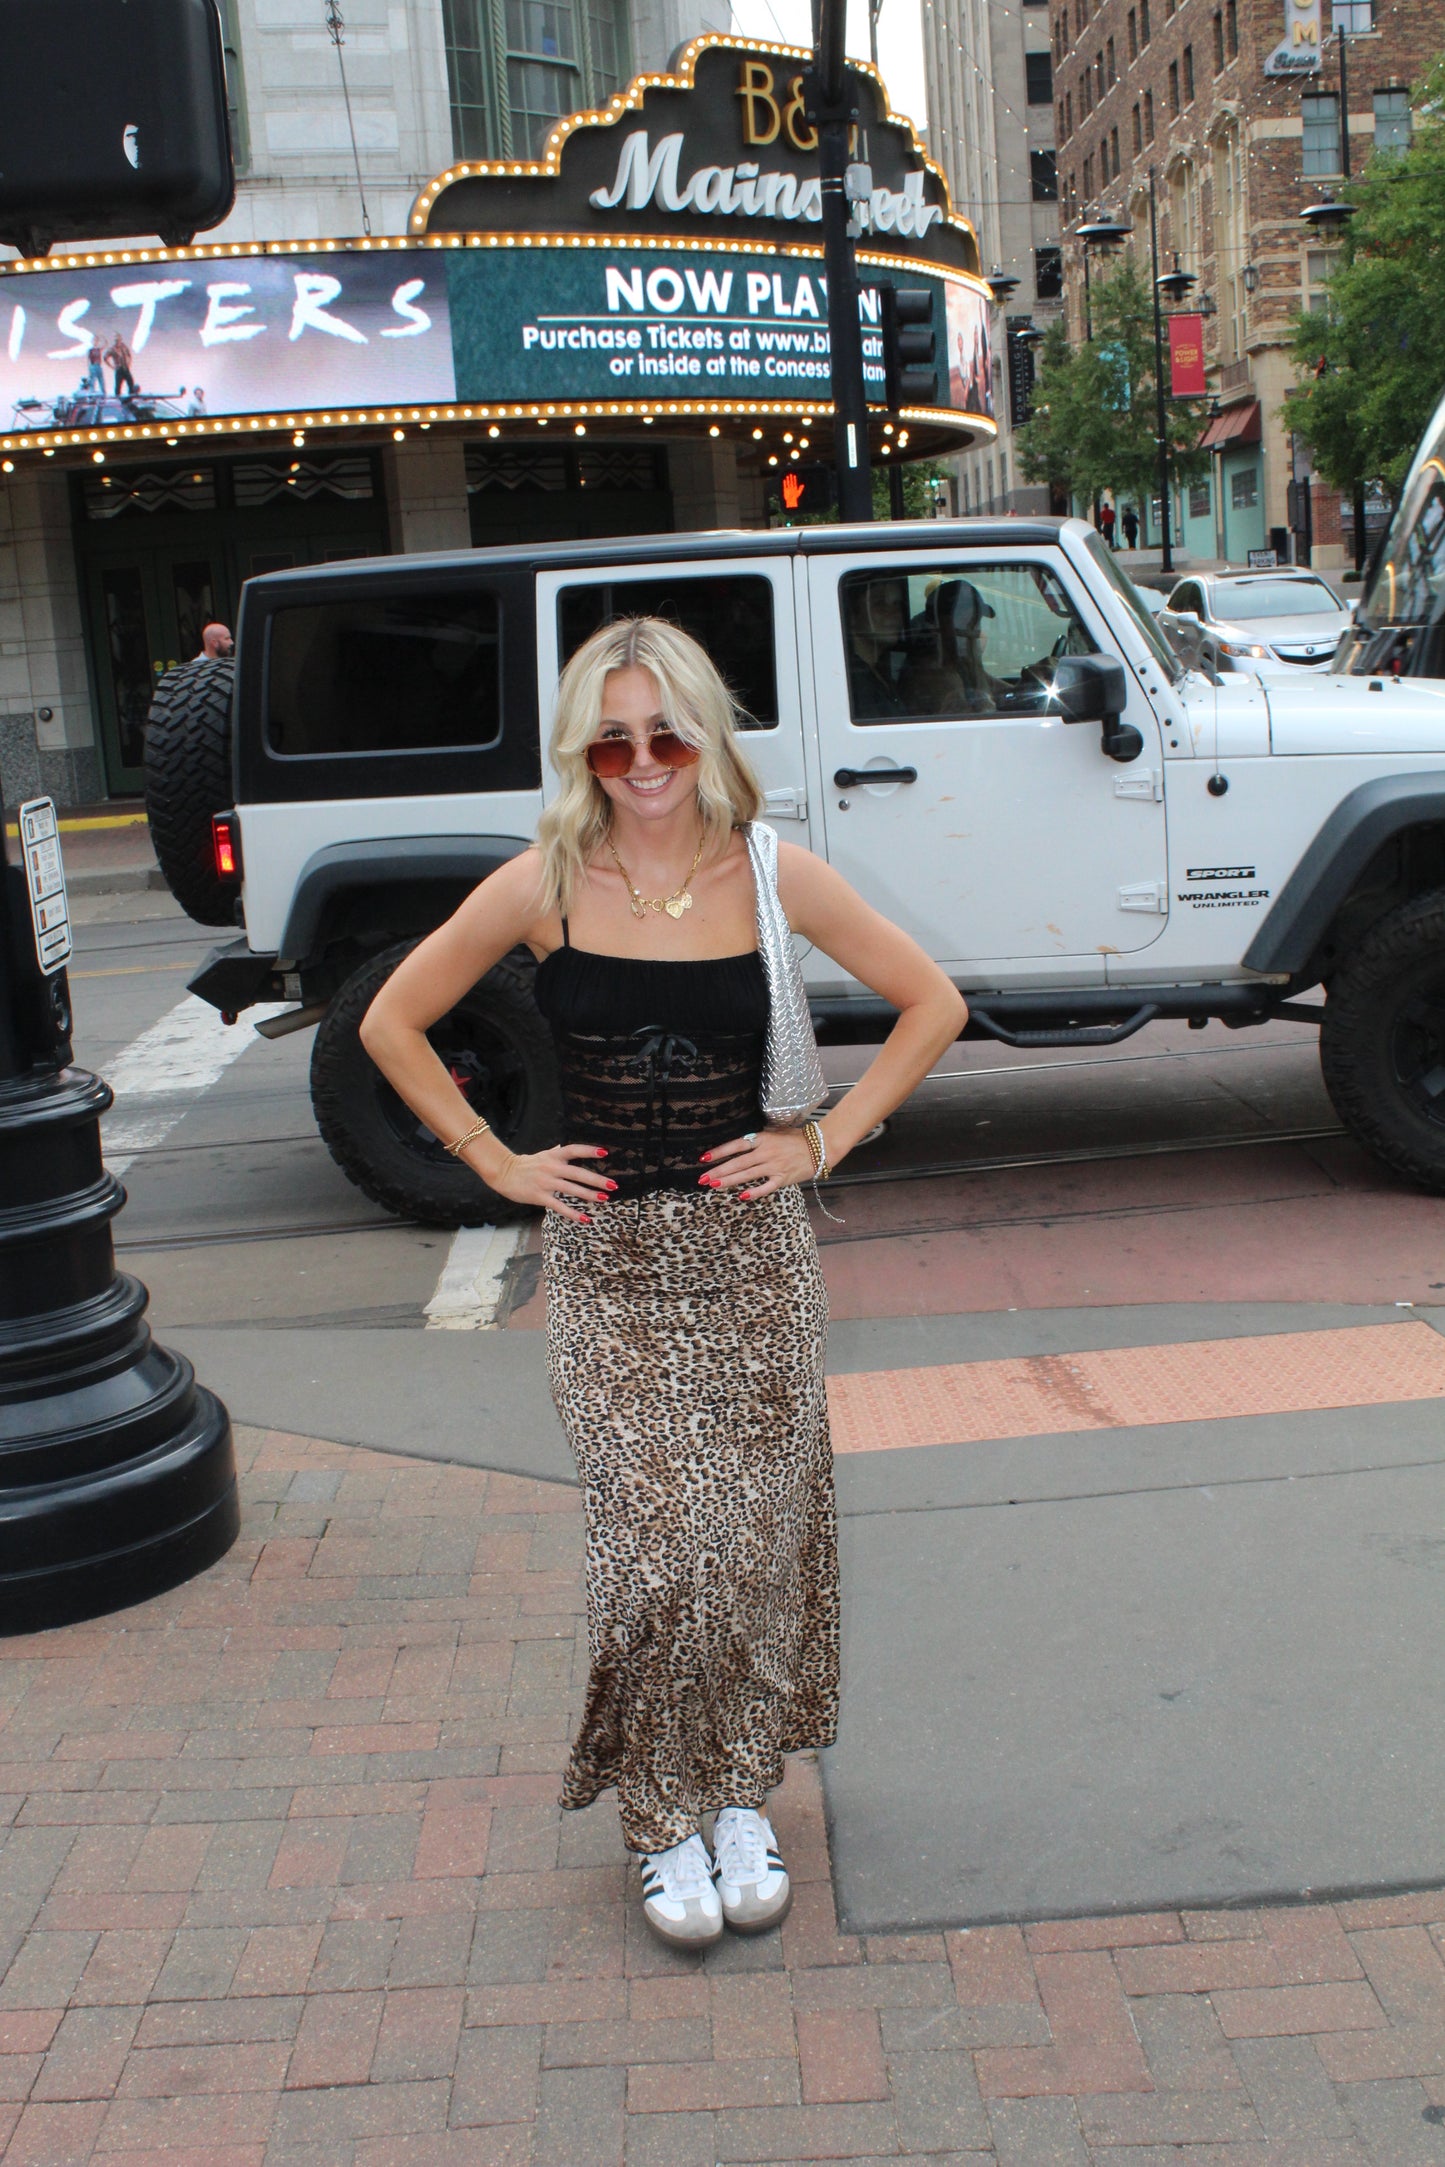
751, 1137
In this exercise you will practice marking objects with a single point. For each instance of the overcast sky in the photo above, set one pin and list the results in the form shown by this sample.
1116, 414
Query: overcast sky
900, 41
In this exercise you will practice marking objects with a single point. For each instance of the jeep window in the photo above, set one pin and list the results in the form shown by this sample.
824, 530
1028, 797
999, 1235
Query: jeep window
731, 618
1128, 594
385, 673
930, 644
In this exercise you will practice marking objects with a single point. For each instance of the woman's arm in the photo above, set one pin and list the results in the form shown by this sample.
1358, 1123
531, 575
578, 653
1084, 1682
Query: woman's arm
822, 907
500, 915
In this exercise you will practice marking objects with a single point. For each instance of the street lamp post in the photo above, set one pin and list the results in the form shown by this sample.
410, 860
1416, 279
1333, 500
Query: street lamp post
1175, 284
1100, 232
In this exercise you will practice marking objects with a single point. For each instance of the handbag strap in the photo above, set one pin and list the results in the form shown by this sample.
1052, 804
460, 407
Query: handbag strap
763, 852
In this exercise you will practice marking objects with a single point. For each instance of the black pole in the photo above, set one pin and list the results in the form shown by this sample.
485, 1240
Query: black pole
117, 1475
1161, 411
1088, 301
1359, 489
833, 116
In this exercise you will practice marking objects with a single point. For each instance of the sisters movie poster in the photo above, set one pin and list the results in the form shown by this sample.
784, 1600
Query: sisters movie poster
221, 336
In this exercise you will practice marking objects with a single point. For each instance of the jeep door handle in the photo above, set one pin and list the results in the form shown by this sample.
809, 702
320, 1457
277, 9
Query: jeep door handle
853, 778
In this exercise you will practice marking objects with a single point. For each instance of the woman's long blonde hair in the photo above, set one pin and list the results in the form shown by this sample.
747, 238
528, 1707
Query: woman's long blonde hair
698, 707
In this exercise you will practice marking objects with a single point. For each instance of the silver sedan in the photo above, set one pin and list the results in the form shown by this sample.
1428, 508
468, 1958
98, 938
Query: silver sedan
1276, 623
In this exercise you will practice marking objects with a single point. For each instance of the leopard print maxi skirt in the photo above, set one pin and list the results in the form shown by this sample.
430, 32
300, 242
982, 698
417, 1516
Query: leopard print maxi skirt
685, 1340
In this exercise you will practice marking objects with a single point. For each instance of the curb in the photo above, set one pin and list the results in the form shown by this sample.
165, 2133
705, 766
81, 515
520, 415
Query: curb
124, 880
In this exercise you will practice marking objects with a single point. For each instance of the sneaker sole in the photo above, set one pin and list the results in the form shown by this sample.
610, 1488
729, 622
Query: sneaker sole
760, 1925
677, 1938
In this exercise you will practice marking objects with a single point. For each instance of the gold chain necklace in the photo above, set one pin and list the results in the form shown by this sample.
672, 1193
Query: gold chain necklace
674, 904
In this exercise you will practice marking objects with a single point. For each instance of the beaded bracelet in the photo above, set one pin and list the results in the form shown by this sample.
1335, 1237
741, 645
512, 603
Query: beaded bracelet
819, 1149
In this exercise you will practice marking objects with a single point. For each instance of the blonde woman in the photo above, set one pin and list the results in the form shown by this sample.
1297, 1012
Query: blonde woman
686, 1315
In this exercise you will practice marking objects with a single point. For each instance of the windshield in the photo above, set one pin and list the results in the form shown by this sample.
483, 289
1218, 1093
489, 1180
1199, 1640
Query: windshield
1409, 580
1275, 598
1128, 594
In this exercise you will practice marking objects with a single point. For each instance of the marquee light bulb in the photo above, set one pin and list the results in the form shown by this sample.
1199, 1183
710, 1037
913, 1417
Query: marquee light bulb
494, 430
398, 435
757, 436
714, 430
98, 457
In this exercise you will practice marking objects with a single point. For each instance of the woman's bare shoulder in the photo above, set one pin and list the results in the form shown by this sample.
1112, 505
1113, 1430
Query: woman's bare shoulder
513, 896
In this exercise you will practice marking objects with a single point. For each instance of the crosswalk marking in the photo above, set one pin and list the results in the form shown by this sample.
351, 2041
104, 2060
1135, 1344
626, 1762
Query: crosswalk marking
473, 1279
159, 1076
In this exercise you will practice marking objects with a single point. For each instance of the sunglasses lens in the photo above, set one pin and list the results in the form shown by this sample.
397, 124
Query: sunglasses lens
667, 747
610, 758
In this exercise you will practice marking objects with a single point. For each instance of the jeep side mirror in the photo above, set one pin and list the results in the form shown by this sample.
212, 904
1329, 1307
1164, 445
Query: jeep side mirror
1092, 688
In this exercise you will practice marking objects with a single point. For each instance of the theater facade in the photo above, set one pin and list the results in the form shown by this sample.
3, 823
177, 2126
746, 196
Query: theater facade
626, 334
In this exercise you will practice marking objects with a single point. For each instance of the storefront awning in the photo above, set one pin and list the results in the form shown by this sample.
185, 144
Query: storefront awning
1236, 425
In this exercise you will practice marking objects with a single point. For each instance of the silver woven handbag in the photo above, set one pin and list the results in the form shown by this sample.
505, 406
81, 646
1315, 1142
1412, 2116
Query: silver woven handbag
792, 1087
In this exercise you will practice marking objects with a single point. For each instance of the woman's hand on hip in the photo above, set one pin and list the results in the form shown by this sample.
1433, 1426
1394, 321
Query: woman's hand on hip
558, 1180
752, 1166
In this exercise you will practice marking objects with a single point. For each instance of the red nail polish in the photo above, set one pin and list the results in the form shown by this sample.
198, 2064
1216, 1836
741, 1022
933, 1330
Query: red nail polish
601, 1151
707, 1158
582, 1219
612, 1185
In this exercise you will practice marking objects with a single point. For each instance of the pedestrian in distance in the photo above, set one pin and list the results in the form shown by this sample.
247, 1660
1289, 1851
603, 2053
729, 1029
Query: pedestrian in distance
217, 644
1106, 524
686, 1314
1130, 524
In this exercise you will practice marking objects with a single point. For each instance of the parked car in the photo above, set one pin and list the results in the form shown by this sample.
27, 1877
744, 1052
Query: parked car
977, 721
1264, 622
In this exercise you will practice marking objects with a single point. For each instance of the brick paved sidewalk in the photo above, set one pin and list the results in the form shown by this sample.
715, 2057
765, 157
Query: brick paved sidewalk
284, 1884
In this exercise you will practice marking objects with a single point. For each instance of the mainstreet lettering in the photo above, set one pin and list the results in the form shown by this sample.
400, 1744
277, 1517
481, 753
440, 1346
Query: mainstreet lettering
645, 175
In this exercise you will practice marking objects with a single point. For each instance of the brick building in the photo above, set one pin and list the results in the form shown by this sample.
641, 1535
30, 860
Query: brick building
1235, 105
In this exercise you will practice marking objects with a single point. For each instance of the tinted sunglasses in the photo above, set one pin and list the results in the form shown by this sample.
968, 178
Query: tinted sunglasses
610, 758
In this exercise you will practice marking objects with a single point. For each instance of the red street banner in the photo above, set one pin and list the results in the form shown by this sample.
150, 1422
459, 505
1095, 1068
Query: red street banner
1186, 357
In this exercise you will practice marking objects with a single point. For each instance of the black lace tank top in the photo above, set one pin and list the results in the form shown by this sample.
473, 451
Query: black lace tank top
659, 1061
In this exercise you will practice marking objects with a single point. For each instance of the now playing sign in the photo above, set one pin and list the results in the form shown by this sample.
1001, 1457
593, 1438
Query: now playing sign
45, 879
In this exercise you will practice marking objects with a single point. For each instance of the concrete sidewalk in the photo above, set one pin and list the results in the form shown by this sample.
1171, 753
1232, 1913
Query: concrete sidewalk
285, 1885
107, 849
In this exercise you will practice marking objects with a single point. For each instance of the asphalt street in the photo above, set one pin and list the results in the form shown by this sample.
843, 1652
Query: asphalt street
1163, 1661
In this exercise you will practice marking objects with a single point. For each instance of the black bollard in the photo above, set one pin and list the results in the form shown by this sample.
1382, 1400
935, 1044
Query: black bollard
117, 1473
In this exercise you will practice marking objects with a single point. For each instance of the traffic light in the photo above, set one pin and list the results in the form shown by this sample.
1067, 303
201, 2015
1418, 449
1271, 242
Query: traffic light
910, 350
113, 121
802, 488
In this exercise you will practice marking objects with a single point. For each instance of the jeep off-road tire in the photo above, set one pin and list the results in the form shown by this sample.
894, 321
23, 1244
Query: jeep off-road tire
1382, 1041
187, 778
500, 1051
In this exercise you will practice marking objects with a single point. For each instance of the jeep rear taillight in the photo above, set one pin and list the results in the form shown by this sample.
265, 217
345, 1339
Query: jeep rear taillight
226, 845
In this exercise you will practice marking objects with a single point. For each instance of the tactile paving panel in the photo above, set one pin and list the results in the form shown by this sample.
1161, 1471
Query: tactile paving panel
1033, 1396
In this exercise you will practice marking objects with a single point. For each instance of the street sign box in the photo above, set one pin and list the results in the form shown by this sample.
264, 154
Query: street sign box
45, 881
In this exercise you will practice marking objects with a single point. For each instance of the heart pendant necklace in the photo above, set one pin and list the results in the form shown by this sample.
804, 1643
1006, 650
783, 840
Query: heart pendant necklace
674, 904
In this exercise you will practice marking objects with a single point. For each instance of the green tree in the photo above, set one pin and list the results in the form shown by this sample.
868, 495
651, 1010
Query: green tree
919, 475
1094, 423
1371, 360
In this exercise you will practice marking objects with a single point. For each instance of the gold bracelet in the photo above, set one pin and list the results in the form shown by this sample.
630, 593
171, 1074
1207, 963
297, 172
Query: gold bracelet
819, 1149
468, 1136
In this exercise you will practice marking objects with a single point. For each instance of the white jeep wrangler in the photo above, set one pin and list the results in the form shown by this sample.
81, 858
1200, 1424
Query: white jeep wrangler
976, 721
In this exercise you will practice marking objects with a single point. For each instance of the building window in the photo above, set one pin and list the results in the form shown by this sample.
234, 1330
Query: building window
1199, 500
1143, 22
1114, 149
1189, 75
1231, 28
514, 66
1320, 149
1099, 73
1354, 17
1039, 74
1138, 132
1392, 120
1319, 264
1174, 86
1048, 273
1068, 115
1133, 33
1148, 116
1218, 40
1044, 176
1244, 489
1086, 105
1088, 177
1113, 71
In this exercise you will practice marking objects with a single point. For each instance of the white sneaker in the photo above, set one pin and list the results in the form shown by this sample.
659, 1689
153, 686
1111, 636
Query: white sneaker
679, 1901
751, 1877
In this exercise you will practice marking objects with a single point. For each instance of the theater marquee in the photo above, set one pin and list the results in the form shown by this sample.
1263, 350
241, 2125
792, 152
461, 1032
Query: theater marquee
662, 258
